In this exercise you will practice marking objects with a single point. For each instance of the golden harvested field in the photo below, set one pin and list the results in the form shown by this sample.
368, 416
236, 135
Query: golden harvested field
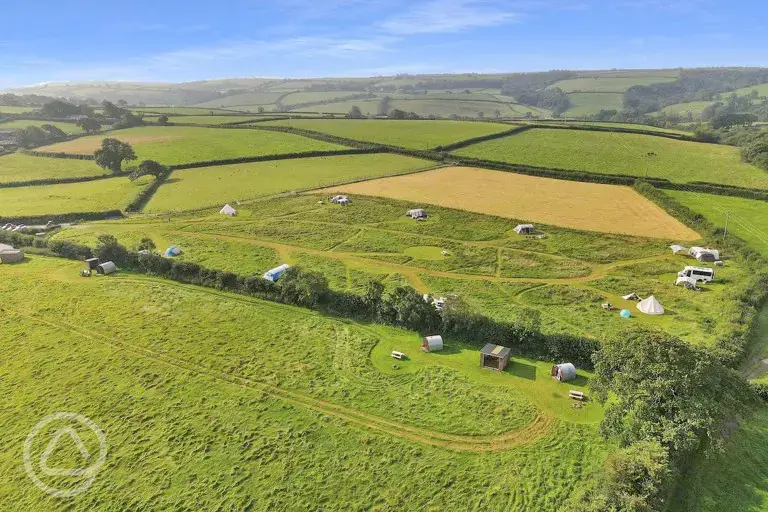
590, 206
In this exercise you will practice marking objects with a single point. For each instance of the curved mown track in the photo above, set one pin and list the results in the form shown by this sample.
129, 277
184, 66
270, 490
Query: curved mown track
539, 427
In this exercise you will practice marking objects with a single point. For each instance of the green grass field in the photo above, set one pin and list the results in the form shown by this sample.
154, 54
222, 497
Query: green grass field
619, 153
609, 83
633, 126
590, 103
242, 423
762, 91
19, 167
20, 124
93, 196
5, 109
190, 111
195, 188
312, 96
682, 109
747, 218
208, 119
250, 98
411, 134
183, 144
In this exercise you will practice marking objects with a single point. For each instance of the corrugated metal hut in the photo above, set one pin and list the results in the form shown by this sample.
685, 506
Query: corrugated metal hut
11, 256
432, 344
106, 268
494, 357
564, 372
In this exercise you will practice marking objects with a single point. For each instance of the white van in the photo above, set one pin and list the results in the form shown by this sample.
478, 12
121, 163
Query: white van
698, 273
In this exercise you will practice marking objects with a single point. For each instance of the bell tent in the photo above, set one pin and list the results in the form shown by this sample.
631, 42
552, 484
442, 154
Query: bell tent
650, 306
228, 210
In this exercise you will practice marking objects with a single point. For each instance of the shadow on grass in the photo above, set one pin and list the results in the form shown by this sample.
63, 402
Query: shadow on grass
523, 370
580, 380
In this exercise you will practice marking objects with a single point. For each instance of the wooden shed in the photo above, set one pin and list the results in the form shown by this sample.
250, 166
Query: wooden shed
92, 263
494, 357
432, 344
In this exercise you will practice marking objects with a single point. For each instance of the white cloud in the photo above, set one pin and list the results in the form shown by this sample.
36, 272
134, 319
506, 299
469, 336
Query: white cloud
444, 16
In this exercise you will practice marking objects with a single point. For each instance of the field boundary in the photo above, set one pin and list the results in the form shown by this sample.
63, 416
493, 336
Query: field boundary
280, 156
61, 181
64, 217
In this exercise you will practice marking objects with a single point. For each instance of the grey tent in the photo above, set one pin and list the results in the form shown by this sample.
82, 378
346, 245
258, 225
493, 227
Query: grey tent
524, 229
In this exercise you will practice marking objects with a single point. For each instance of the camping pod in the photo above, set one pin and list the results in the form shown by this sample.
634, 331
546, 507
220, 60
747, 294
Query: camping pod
92, 263
106, 268
494, 357
564, 372
275, 273
11, 256
432, 344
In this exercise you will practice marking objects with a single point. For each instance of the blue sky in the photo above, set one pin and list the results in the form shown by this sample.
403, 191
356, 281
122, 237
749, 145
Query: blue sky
173, 40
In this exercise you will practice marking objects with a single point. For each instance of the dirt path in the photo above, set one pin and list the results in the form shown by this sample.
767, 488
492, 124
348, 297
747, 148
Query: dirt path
539, 427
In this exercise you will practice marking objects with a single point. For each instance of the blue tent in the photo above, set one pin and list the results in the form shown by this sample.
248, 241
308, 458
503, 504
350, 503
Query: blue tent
172, 251
625, 313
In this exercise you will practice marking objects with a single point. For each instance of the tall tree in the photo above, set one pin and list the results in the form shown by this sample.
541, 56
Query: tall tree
355, 113
384, 106
148, 168
53, 132
89, 125
112, 154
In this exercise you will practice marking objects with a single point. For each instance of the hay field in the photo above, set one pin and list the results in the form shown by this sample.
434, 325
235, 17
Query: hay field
171, 145
206, 186
20, 167
623, 153
587, 206
91, 196
410, 134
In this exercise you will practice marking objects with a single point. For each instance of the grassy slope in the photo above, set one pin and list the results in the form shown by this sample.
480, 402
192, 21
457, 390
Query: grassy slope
682, 109
91, 196
208, 186
19, 167
4, 109
588, 103
251, 98
762, 90
617, 153
748, 218
183, 144
609, 83
411, 134
69, 128
239, 446
208, 119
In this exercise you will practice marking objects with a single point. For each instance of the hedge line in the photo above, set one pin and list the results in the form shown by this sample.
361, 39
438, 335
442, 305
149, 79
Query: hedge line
59, 181
732, 349
143, 197
476, 140
52, 154
63, 217
653, 133
281, 156
315, 135
388, 309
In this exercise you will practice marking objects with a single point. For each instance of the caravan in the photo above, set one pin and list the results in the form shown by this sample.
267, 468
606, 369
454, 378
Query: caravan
698, 273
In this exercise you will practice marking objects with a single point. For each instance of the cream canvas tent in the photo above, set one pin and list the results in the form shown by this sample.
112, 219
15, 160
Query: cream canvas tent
650, 306
631, 296
524, 229
677, 249
228, 210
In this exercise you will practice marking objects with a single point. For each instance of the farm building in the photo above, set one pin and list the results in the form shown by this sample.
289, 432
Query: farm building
432, 344
564, 372
172, 252
275, 273
417, 214
228, 210
650, 306
494, 357
10, 255
704, 254
524, 229
106, 268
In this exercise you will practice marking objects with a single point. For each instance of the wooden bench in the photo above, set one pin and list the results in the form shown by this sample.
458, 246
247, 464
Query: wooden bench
576, 395
398, 355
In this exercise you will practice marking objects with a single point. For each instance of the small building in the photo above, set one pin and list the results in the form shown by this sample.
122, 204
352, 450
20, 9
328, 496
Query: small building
228, 210
432, 344
417, 214
11, 256
704, 254
106, 268
275, 273
92, 263
172, 252
494, 357
564, 372
524, 229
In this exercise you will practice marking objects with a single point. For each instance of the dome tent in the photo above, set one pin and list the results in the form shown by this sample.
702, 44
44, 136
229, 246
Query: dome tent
650, 306
625, 313
564, 372
172, 251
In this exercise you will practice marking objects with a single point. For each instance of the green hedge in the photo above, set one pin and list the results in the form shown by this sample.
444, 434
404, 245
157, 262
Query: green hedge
476, 140
281, 156
63, 217
51, 154
59, 181
617, 129
143, 197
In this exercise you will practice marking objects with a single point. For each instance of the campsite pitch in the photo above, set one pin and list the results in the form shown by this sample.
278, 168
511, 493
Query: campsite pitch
589, 206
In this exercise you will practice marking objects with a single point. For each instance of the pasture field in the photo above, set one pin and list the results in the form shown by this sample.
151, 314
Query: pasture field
242, 423
762, 91
315, 96
411, 134
172, 145
20, 167
92, 196
464, 108
208, 119
367, 107
207, 186
20, 124
588, 206
5, 109
606, 124
556, 283
589, 103
682, 109
623, 153
249, 98
188, 111
748, 218
609, 83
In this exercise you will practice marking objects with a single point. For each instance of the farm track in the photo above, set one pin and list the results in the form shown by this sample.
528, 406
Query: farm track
540, 426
